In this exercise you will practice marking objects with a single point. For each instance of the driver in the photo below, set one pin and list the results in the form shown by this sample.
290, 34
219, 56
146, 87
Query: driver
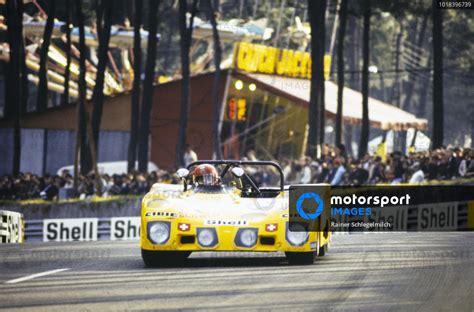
206, 175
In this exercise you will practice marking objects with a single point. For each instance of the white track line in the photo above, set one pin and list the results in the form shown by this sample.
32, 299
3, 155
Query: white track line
29, 277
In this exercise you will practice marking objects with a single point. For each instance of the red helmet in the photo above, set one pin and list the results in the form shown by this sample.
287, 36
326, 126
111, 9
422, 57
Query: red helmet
206, 174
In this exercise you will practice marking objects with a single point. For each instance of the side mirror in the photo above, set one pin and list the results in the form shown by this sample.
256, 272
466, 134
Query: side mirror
182, 173
238, 172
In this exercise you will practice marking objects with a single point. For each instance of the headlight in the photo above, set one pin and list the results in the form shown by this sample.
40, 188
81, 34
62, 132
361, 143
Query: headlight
159, 232
207, 237
298, 234
246, 237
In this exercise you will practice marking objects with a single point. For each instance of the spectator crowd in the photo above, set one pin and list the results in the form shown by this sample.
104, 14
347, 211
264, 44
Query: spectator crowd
48, 187
334, 167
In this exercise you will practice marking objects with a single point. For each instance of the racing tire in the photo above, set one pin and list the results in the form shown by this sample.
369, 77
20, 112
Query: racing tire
322, 250
300, 258
154, 259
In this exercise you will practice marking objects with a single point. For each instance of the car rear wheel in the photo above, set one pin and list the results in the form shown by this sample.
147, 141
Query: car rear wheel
300, 258
154, 259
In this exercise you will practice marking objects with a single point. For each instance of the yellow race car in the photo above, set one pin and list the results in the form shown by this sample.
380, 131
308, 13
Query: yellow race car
225, 210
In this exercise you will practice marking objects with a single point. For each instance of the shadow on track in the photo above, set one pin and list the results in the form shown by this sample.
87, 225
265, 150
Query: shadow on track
230, 261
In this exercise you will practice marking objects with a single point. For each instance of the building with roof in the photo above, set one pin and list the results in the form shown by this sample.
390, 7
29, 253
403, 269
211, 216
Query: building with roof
264, 108
260, 112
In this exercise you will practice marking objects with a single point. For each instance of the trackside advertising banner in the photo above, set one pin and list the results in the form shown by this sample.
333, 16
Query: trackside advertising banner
89, 229
381, 208
125, 228
61, 230
311, 208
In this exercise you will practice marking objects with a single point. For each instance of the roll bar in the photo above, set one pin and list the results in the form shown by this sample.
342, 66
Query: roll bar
232, 163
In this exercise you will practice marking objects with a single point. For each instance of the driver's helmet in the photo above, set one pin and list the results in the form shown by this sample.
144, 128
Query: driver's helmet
206, 175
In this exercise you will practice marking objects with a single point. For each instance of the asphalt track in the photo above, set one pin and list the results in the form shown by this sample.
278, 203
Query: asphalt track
372, 272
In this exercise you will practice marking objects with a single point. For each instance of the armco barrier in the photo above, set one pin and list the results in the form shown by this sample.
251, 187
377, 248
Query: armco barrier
11, 227
106, 212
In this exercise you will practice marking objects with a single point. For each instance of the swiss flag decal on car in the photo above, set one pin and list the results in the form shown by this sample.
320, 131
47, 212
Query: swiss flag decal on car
272, 227
184, 227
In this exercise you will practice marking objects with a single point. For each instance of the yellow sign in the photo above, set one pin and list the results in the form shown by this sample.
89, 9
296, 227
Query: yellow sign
237, 109
257, 58
241, 109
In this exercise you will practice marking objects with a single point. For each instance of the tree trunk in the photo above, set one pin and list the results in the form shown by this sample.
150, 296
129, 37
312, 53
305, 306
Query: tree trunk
13, 79
354, 59
98, 94
412, 78
99, 15
255, 8
340, 70
23, 69
278, 28
216, 83
316, 14
348, 139
425, 88
11, 67
472, 127
93, 123
186, 37
23, 97
148, 87
137, 69
80, 105
42, 100
313, 131
397, 86
438, 122
364, 133
67, 74
167, 42
322, 48
185, 88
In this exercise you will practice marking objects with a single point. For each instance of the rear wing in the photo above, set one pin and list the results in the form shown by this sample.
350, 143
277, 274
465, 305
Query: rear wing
236, 163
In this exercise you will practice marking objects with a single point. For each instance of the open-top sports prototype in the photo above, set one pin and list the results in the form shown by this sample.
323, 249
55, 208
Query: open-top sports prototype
221, 206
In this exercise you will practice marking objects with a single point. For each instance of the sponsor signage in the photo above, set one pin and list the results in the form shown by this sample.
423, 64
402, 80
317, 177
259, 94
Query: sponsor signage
397, 217
125, 228
258, 58
66, 230
441, 216
226, 222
